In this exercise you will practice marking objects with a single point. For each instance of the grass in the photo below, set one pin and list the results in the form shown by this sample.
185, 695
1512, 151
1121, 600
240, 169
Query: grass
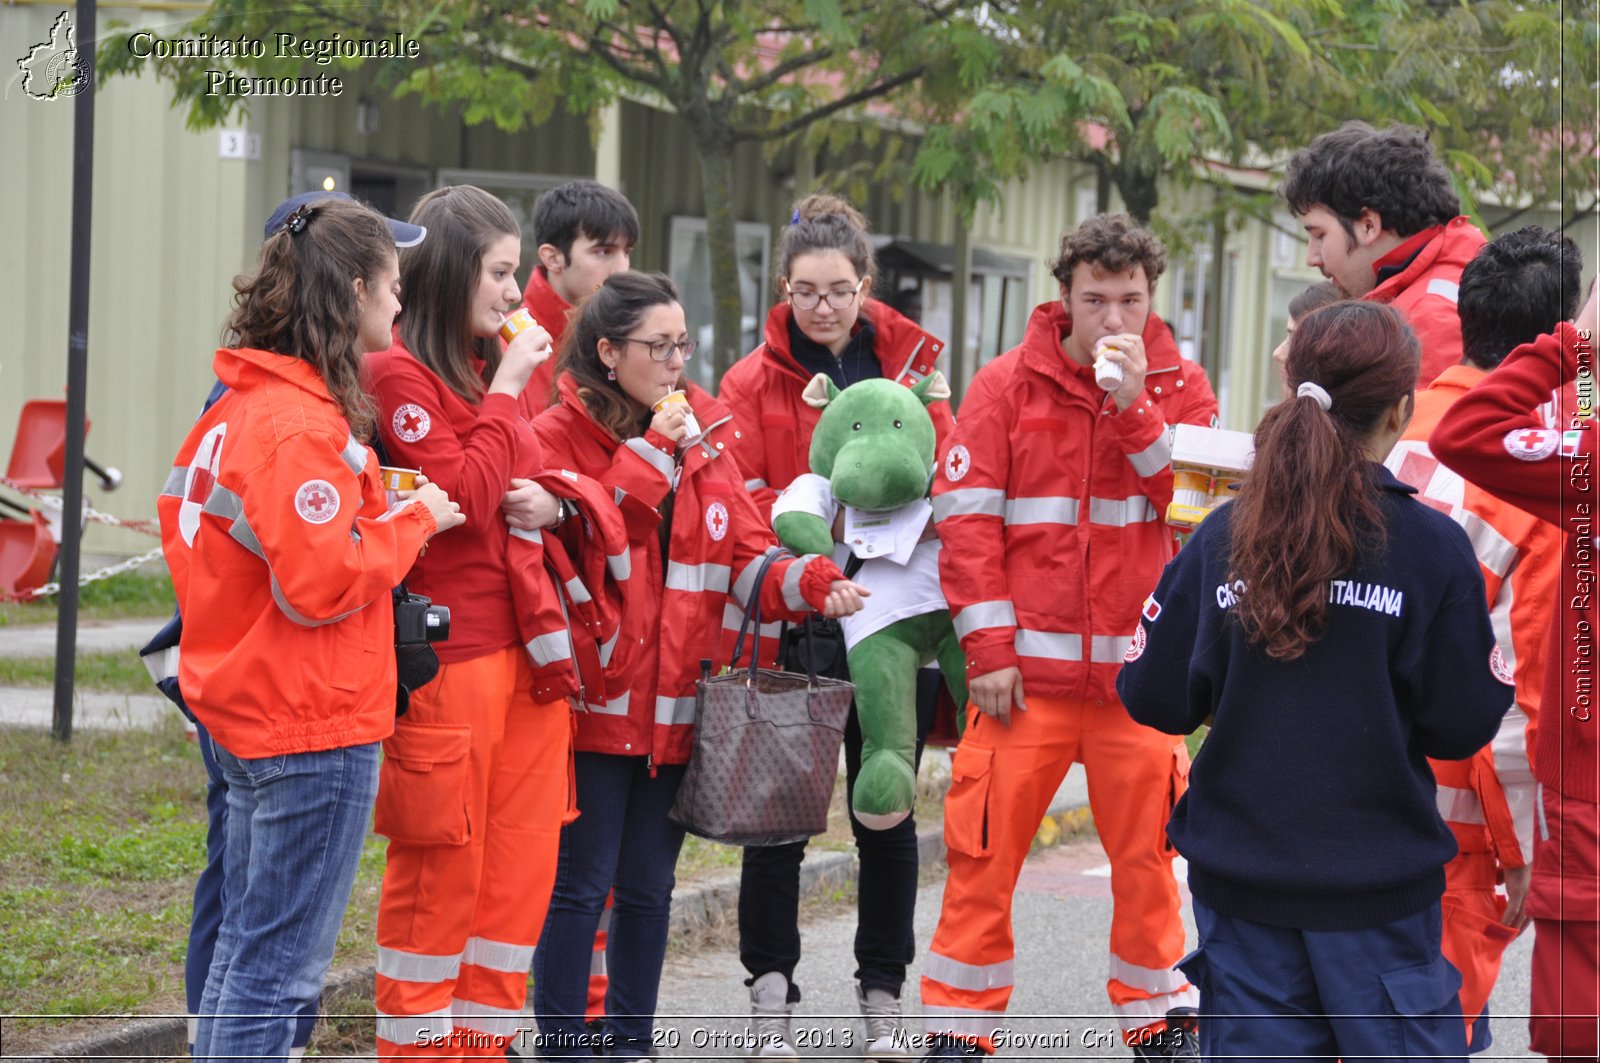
145, 593
120, 672
100, 843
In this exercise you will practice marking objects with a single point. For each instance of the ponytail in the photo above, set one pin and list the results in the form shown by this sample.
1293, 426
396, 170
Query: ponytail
1310, 507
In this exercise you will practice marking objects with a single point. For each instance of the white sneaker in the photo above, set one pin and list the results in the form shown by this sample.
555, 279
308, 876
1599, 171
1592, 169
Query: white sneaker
770, 1009
881, 1009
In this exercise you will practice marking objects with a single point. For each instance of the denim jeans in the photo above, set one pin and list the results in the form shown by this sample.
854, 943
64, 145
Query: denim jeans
296, 823
621, 841
209, 899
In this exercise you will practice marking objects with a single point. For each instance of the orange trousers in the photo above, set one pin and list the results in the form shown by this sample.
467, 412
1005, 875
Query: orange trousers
475, 786
1473, 938
1002, 781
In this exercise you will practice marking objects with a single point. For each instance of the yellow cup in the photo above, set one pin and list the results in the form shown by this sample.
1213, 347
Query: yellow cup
398, 479
678, 398
518, 321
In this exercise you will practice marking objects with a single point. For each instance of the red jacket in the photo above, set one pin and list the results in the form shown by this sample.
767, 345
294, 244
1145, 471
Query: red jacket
1495, 438
774, 424
1427, 290
282, 550
674, 615
1517, 553
1051, 505
472, 452
554, 313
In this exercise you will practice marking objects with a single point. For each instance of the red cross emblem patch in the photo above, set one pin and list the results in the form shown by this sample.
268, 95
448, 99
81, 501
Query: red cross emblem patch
1498, 665
1532, 444
411, 422
957, 463
1136, 647
717, 520
316, 501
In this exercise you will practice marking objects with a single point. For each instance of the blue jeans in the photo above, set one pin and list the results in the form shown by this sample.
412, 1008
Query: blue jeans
1378, 993
209, 901
296, 824
621, 840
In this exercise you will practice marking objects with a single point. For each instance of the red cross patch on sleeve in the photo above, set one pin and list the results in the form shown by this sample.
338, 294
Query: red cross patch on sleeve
1531, 444
316, 501
957, 463
411, 422
717, 520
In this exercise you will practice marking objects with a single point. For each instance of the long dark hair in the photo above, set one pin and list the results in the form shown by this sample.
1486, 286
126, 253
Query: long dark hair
1310, 506
301, 299
439, 278
614, 310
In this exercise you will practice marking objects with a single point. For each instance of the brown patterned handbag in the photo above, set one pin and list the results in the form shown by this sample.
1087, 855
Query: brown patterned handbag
766, 747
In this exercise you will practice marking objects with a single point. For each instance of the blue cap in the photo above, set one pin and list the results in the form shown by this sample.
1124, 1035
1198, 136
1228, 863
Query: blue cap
405, 234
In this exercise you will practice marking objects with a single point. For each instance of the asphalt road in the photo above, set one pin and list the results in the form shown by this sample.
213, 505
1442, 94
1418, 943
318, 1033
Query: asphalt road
1062, 919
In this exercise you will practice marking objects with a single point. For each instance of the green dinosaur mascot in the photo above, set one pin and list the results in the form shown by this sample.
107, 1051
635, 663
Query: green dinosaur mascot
873, 453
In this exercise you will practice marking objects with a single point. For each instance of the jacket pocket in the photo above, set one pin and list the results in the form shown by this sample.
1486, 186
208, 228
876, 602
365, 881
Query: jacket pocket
966, 806
423, 785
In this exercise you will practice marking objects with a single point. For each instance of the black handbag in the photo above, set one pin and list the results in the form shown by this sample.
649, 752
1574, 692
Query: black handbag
766, 748
818, 644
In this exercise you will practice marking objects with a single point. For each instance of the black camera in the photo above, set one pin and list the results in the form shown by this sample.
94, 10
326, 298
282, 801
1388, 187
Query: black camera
418, 620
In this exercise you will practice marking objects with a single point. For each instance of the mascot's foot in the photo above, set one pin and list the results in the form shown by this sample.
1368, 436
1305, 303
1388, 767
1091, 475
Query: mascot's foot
881, 821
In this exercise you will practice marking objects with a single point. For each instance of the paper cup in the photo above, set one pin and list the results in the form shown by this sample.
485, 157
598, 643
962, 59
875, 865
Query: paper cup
398, 479
519, 320
678, 398
1191, 488
1107, 374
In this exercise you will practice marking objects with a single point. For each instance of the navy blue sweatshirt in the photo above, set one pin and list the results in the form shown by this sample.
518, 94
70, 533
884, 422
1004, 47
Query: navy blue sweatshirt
1311, 804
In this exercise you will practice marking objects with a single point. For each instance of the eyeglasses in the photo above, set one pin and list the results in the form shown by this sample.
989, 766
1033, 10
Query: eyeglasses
838, 298
663, 350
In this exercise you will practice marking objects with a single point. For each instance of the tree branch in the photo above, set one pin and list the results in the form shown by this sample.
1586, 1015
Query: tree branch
881, 88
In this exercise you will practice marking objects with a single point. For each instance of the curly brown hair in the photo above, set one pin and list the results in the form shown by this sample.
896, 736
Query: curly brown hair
1114, 243
1310, 506
301, 300
826, 223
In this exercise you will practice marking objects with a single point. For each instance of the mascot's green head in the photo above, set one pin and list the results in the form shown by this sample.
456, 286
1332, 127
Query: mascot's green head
875, 441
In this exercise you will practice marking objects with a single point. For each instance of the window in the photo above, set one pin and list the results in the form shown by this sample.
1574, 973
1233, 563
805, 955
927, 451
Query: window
689, 258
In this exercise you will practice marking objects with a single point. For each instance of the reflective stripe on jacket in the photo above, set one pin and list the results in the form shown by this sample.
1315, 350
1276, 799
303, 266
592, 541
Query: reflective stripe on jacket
674, 617
1052, 504
283, 552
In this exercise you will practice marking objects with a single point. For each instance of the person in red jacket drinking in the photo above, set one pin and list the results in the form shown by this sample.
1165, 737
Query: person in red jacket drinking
1050, 503
475, 779
1385, 224
827, 323
283, 550
695, 537
1496, 437
585, 232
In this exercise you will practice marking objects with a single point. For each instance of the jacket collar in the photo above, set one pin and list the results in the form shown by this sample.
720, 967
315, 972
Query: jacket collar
1454, 244
1458, 378
899, 341
244, 367
546, 305
1388, 481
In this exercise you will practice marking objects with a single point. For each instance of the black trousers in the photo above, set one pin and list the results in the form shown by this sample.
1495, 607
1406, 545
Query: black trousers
886, 893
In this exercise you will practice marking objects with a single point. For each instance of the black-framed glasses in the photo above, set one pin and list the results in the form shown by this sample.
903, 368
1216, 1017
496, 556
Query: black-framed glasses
838, 298
663, 350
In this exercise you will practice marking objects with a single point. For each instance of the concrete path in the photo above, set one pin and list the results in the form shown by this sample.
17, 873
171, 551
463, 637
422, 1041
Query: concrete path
94, 636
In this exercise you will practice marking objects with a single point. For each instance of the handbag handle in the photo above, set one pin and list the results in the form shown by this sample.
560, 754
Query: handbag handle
752, 612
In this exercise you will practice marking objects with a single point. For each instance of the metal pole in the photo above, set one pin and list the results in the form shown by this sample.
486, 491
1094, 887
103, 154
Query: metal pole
77, 367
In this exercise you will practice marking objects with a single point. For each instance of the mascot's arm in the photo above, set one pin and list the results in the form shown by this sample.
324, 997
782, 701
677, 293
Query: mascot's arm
803, 515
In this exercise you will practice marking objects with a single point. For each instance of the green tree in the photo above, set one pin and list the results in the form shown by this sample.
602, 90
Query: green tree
737, 71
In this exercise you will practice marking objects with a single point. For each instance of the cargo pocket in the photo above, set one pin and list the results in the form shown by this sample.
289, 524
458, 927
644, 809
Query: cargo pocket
1426, 1008
422, 788
966, 806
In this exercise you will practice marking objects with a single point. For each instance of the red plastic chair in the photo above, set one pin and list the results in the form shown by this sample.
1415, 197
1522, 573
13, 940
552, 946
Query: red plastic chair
39, 453
27, 554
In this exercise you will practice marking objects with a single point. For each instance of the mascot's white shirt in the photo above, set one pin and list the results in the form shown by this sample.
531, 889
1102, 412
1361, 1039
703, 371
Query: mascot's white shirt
899, 591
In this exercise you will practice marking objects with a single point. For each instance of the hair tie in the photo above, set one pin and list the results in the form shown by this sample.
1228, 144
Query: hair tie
795, 220
296, 222
1316, 391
